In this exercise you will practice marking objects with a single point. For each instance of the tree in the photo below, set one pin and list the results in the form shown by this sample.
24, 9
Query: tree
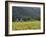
13, 19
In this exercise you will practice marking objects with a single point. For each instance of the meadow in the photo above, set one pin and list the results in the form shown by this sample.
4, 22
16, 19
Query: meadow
28, 25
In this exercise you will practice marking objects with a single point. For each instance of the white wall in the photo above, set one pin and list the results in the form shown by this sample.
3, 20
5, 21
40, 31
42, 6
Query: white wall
2, 17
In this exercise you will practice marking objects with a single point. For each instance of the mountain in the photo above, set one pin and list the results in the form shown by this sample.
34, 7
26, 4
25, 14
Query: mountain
34, 12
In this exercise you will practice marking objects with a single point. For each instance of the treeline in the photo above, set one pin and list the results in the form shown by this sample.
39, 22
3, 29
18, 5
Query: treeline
26, 18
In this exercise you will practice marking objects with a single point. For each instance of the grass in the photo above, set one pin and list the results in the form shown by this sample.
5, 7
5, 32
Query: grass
26, 25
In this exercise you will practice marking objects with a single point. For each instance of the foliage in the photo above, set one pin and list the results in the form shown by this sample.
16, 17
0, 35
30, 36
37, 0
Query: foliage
13, 19
29, 18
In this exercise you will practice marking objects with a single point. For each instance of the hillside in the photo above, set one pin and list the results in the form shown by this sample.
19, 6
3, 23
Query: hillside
34, 12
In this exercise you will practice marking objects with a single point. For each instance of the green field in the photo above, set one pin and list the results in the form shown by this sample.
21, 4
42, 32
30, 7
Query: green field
26, 25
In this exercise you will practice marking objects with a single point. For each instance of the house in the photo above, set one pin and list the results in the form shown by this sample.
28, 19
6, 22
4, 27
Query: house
18, 18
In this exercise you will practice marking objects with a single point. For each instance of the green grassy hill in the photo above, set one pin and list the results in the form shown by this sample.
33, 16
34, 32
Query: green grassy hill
28, 25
